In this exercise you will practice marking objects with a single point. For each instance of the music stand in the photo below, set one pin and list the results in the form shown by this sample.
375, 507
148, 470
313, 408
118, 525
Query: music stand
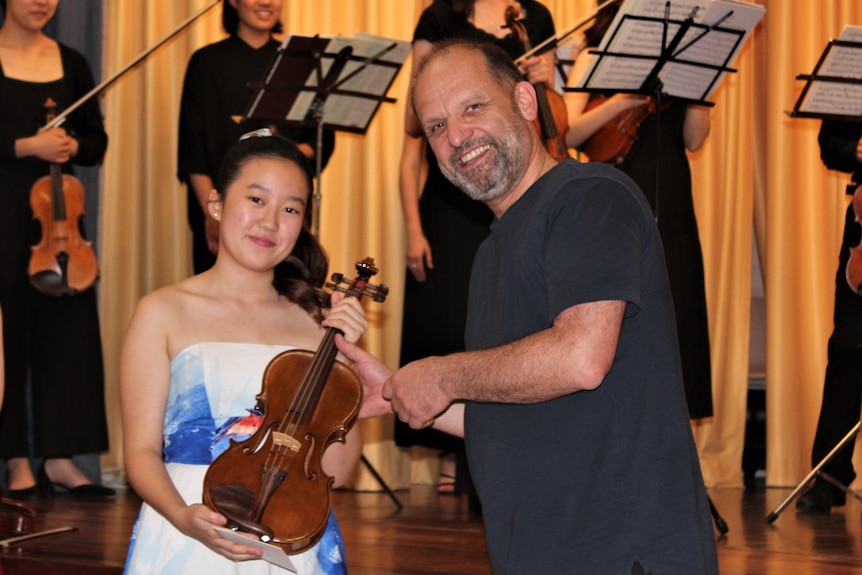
329, 83
668, 49
833, 91
333, 83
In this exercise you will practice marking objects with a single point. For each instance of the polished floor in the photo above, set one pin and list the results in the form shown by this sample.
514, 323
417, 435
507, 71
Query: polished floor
437, 535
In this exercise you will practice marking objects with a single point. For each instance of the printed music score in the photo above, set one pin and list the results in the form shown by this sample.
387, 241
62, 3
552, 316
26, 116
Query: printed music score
842, 59
637, 36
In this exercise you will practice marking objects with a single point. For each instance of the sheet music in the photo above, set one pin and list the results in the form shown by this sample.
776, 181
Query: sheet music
349, 100
642, 39
349, 111
838, 98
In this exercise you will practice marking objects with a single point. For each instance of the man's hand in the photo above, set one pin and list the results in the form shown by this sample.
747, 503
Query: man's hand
372, 373
418, 391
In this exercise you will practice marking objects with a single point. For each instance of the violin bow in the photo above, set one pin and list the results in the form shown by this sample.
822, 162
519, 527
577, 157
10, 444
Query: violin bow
60, 118
550, 42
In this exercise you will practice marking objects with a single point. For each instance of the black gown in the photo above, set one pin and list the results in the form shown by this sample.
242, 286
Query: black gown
56, 339
435, 310
671, 200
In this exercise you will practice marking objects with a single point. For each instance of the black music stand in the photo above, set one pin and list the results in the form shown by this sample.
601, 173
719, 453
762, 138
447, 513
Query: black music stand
330, 83
673, 55
833, 91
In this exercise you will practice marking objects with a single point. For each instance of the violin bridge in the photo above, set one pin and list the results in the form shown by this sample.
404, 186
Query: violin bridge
285, 440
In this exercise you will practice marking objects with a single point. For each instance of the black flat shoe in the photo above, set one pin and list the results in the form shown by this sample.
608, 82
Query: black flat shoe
86, 491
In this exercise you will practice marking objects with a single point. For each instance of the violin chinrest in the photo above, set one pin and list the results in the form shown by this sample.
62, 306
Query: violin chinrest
236, 503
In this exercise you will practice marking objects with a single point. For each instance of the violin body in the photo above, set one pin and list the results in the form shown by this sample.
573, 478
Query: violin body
853, 271
62, 263
298, 509
272, 485
612, 142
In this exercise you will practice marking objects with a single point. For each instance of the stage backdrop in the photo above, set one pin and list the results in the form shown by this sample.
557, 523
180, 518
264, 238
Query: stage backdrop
759, 176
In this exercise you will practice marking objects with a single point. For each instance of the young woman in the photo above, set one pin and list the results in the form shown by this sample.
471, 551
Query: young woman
56, 339
194, 356
215, 91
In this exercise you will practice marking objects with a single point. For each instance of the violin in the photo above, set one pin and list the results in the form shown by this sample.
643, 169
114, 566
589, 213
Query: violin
272, 484
612, 142
853, 271
62, 263
552, 121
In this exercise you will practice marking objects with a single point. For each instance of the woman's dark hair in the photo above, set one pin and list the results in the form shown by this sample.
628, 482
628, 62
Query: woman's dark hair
300, 277
464, 7
594, 34
230, 20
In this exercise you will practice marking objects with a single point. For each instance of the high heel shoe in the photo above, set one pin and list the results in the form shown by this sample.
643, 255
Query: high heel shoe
86, 491
26, 494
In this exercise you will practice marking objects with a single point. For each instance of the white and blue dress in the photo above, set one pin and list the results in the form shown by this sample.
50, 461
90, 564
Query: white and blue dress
211, 401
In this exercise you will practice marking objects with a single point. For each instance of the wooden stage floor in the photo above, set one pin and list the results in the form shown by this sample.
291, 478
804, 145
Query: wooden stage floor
437, 535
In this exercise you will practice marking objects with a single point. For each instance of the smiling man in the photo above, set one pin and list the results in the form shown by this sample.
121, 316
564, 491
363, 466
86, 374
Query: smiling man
570, 395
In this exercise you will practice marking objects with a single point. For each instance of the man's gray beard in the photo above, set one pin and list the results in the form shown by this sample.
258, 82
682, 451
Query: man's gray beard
493, 180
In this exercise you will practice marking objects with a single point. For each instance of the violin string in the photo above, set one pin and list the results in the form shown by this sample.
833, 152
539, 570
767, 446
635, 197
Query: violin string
318, 372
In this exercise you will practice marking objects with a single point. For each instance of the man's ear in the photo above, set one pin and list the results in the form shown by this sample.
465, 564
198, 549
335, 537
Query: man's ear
214, 204
525, 100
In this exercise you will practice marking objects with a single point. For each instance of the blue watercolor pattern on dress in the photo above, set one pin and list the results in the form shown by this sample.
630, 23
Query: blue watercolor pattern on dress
237, 429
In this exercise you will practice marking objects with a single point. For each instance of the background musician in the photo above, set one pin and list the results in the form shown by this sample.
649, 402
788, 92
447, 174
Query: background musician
56, 338
681, 128
840, 149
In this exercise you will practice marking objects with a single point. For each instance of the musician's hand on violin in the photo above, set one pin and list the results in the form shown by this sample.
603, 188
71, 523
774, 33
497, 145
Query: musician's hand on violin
537, 70
418, 391
347, 315
418, 254
199, 521
372, 373
53, 145
623, 102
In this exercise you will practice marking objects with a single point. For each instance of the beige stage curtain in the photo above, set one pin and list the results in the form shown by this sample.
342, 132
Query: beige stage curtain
759, 170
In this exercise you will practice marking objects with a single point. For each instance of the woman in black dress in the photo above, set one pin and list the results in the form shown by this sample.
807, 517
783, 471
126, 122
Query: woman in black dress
53, 341
681, 127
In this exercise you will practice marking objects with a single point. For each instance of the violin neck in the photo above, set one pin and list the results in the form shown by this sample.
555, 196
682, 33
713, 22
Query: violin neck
311, 388
58, 198
546, 116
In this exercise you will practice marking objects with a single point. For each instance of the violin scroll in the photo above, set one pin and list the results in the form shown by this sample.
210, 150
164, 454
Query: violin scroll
365, 269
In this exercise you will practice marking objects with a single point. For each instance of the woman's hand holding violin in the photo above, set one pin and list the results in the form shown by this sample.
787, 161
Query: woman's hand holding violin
537, 70
347, 315
53, 145
199, 521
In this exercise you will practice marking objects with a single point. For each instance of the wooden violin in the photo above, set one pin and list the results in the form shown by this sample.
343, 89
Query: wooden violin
62, 263
552, 120
853, 271
612, 142
272, 484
